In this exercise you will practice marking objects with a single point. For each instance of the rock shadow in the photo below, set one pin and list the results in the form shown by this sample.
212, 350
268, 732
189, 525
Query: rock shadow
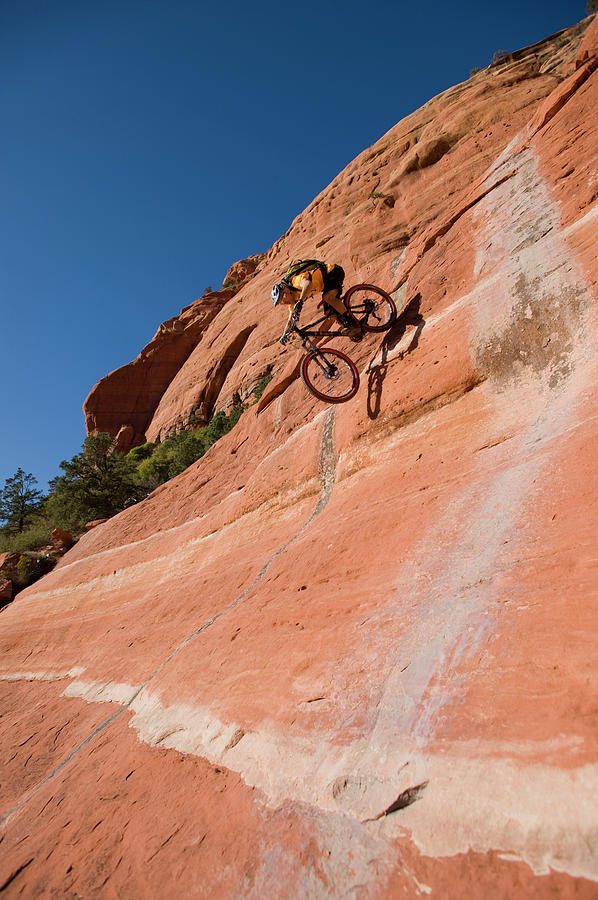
411, 315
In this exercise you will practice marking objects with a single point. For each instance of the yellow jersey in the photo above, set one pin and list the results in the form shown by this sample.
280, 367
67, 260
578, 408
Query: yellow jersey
314, 273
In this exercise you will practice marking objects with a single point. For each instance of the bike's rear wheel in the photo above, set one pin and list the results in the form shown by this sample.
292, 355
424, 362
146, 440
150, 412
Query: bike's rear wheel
372, 307
330, 375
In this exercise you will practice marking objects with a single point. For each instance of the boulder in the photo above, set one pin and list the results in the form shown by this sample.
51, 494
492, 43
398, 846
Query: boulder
240, 272
61, 540
89, 526
9, 562
127, 438
22, 569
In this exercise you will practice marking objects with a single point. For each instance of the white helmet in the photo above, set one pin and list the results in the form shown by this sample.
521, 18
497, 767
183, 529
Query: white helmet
277, 292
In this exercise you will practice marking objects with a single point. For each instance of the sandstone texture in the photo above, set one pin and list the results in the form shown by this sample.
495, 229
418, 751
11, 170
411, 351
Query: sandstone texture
351, 652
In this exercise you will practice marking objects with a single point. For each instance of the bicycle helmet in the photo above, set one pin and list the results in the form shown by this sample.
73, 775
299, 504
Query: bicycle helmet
277, 292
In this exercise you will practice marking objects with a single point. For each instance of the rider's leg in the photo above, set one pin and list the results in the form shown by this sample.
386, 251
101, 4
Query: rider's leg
326, 325
333, 299
328, 322
350, 327
333, 289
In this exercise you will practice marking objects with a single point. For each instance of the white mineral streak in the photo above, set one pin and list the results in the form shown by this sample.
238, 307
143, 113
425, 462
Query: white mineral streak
97, 692
42, 675
544, 815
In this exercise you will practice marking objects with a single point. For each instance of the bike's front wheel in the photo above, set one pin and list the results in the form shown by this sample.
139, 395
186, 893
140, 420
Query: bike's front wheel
372, 307
330, 375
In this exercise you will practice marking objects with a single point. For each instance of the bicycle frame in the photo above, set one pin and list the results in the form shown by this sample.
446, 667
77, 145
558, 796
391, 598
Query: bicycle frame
305, 331
305, 334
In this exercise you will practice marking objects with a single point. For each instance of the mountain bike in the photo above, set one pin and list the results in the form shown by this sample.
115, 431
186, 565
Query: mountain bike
329, 373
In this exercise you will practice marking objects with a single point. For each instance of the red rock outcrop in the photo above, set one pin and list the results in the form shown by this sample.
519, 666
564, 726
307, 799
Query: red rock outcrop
124, 402
351, 650
61, 540
241, 271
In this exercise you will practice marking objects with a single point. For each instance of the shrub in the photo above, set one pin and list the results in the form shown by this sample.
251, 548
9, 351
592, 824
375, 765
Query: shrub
180, 450
592, 6
36, 535
498, 55
137, 454
262, 385
156, 469
26, 571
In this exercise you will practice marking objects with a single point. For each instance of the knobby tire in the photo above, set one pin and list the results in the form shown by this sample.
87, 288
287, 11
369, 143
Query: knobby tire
384, 314
346, 380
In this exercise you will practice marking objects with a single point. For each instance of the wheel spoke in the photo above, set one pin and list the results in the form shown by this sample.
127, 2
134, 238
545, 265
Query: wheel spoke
372, 307
330, 375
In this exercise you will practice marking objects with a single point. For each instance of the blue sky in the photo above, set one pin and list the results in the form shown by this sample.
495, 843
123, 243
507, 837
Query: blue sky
148, 144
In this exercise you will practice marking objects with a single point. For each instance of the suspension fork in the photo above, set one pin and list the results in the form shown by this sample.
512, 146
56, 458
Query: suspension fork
328, 369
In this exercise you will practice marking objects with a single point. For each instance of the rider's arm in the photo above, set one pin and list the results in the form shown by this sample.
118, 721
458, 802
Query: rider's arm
294, 312
305, 286
296, 308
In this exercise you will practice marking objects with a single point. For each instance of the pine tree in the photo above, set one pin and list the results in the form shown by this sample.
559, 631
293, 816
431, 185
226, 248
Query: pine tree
97, 483
19, 500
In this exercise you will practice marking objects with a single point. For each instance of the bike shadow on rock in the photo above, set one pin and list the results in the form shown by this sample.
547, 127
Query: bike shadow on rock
411, 315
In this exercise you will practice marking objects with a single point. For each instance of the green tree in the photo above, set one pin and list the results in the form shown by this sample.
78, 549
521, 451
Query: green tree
19, 500
155, 469
592, 6
138, 454
97, 483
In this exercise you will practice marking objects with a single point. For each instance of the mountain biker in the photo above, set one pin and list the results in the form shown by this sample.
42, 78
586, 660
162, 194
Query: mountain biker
305, 278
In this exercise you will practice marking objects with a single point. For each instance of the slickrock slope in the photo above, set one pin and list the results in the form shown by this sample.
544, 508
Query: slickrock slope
351, 651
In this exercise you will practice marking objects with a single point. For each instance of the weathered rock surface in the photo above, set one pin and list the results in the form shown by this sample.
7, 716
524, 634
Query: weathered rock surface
90, 525
351, 651
241, 271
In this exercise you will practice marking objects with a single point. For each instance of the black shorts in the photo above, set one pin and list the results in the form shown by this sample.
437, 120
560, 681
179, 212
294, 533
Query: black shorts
333, 280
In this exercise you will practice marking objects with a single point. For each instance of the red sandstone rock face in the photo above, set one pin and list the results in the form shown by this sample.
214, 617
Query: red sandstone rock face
124, 402
241, 271
351, 650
